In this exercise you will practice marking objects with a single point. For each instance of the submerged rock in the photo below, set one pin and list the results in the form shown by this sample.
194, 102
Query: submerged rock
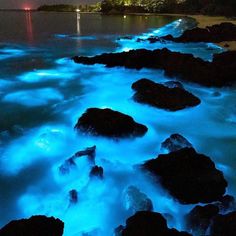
200, 217
175, 142
163, 97
226, 203
224, 225
136, 200
146, 223
212, 34
188, 176
34, 226
96, 171
73, 196
220, 72
69, 163
107, 122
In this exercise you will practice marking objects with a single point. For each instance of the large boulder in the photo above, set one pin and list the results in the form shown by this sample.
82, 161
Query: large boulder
175, 142
135, 200
34, 226
224, 225
163, 97
215, 34
200, 217
106, 122
217, 73
188, 176
145, 223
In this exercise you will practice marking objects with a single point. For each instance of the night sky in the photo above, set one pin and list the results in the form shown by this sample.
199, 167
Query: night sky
16, 4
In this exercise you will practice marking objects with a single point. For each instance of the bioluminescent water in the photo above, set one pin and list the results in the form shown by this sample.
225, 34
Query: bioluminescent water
43, 93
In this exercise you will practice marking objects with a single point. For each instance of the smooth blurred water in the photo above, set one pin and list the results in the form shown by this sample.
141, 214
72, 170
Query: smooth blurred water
43, 93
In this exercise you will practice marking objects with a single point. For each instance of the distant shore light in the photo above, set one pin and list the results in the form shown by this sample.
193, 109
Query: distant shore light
77, 10
27, 8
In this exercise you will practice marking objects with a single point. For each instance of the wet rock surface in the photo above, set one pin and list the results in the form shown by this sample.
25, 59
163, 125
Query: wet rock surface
220, 72
109, 123
224, 225
34, 226
135, 200
97, 171
160, 96
188, 176
145, 223
200, 217
175, 142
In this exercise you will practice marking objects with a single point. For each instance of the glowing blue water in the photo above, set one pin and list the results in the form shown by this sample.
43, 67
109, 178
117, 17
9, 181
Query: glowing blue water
47, 98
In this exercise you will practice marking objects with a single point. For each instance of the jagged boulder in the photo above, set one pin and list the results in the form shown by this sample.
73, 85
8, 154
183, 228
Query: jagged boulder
199, 218
188, 176
146, 223
160, 96
109, 123
136, 200
175, 142
34, 226
224, 225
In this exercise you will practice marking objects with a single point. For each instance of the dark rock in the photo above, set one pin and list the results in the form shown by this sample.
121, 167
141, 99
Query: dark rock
90, 152
224, 225
226, 203
97, 171
34, 226
200, 217
214, 34
160, 96
216, 94
136, 200
220, 72
188, 176
107, 122
175, 142
173, 84
226, 45
146, 223
68, 164
73, 196
127, 37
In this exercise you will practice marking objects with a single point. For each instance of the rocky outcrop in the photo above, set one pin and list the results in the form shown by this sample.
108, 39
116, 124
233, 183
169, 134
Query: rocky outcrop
200, 217
224, 225
73, 195
175, 142
109, 123
34, 226
69, 163
96, 171
160, 96
220, 72
226, 203
212, 34
136, 200
145, 223
188, 176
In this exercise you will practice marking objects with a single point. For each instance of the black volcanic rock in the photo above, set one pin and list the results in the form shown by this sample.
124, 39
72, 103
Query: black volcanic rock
224, 225
188, 176
200, 217
163, 97
215, 34
107, 122
34, 226
175, 142
220, 72
145, 223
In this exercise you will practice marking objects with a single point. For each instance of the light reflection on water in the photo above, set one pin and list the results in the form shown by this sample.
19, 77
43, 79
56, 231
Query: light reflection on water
46, 101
